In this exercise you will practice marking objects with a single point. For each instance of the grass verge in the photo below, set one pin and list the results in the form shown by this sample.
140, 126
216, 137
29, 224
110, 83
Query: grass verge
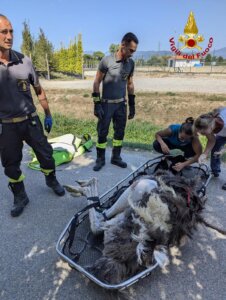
139, 135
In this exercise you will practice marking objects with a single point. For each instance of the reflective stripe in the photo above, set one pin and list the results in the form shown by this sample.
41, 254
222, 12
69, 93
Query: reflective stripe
117, 143
46, 171
96, 99
113, 101
21, 178
18, 119
101, 146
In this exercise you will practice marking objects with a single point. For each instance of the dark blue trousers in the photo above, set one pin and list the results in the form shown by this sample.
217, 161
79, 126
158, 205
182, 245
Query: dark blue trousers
215, 162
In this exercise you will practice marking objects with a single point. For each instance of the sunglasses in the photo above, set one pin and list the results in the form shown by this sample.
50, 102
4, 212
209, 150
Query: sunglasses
6, 31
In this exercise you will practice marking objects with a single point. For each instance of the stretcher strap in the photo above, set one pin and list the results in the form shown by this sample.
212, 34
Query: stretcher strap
74, 225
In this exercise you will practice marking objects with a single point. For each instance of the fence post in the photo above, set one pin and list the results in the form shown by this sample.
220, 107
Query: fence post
47, 66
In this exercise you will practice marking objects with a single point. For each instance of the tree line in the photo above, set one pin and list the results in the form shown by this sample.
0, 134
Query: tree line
70, 59
41, 51
163, 60
218, 60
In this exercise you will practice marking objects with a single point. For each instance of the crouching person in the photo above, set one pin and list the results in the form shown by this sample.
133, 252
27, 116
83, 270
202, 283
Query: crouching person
179, 136
213, 126
19, 120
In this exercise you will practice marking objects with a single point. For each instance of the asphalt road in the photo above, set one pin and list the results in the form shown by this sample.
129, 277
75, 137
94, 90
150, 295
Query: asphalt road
31, 269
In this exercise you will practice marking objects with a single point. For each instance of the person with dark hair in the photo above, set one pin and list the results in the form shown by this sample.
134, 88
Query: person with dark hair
179, 136
213, 126
116, 73
19, 120
130, 37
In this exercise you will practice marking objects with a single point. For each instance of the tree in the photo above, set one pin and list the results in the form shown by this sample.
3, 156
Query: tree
88, 60
72, 57
43, 49
79, 60
208, 58
140, 62
220, 59
113, 48
165, 59
87, 57
98, 55
154, 60
27, 44
60, 58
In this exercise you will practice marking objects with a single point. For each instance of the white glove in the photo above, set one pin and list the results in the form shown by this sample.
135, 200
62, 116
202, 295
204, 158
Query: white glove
202, 158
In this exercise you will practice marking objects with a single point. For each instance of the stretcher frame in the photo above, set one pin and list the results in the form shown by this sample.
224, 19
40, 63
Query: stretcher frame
78, 219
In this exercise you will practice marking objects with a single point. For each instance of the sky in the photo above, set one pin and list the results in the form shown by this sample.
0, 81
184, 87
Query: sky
102, 23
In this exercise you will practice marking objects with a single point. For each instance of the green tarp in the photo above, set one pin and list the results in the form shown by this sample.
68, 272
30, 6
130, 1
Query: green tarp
65, 148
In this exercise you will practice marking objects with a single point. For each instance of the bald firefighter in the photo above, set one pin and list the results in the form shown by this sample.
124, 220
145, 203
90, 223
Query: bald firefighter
19, 121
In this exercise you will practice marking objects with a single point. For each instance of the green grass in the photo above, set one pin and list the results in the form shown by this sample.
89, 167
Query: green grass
63, 125
170, 94
216, 98
86, 95
138, 134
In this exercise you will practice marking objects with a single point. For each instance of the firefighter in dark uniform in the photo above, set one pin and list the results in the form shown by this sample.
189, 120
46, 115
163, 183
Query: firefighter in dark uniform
116, 73
19, 120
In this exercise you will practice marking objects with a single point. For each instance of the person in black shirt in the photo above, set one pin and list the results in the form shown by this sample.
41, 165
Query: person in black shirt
19, 120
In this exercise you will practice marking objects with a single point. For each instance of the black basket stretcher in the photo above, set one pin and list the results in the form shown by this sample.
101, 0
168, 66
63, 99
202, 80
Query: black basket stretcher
80, 248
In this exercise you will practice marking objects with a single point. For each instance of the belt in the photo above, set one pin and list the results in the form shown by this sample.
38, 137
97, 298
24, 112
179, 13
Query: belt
113, 101
18, 119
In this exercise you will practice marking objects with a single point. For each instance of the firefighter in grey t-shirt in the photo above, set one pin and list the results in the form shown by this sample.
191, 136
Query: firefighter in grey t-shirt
116, 74
19, 120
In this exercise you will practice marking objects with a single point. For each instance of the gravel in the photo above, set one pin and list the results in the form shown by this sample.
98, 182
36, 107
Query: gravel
183, 83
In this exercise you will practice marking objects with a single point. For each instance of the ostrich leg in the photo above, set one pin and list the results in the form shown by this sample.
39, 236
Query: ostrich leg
88, 188
135, 193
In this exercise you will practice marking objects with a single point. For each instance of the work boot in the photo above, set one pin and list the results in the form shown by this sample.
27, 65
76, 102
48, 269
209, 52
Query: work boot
100, 161
216, 174
224, 186
20, 198
116, 158
52, 182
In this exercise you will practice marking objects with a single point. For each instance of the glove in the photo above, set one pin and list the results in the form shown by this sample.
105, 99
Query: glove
98, 110
131, 106
48, 122
202, 158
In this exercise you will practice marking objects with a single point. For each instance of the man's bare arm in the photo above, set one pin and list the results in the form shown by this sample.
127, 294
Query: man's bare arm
130, 86
42, 99
98, 79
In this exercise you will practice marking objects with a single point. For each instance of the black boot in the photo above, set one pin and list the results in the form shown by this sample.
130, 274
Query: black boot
20, 198
116, 158
52, 182
100, 161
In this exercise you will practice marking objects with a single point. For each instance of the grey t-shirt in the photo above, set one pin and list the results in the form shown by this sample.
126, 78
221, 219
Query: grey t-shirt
15, 80
116, 73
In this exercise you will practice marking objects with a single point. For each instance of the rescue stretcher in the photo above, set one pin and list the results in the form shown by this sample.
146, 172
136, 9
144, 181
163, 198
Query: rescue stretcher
80, 248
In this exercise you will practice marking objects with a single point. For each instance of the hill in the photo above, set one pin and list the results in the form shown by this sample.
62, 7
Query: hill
147, 54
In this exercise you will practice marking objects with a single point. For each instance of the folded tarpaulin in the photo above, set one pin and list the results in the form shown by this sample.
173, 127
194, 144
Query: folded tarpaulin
65, 148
